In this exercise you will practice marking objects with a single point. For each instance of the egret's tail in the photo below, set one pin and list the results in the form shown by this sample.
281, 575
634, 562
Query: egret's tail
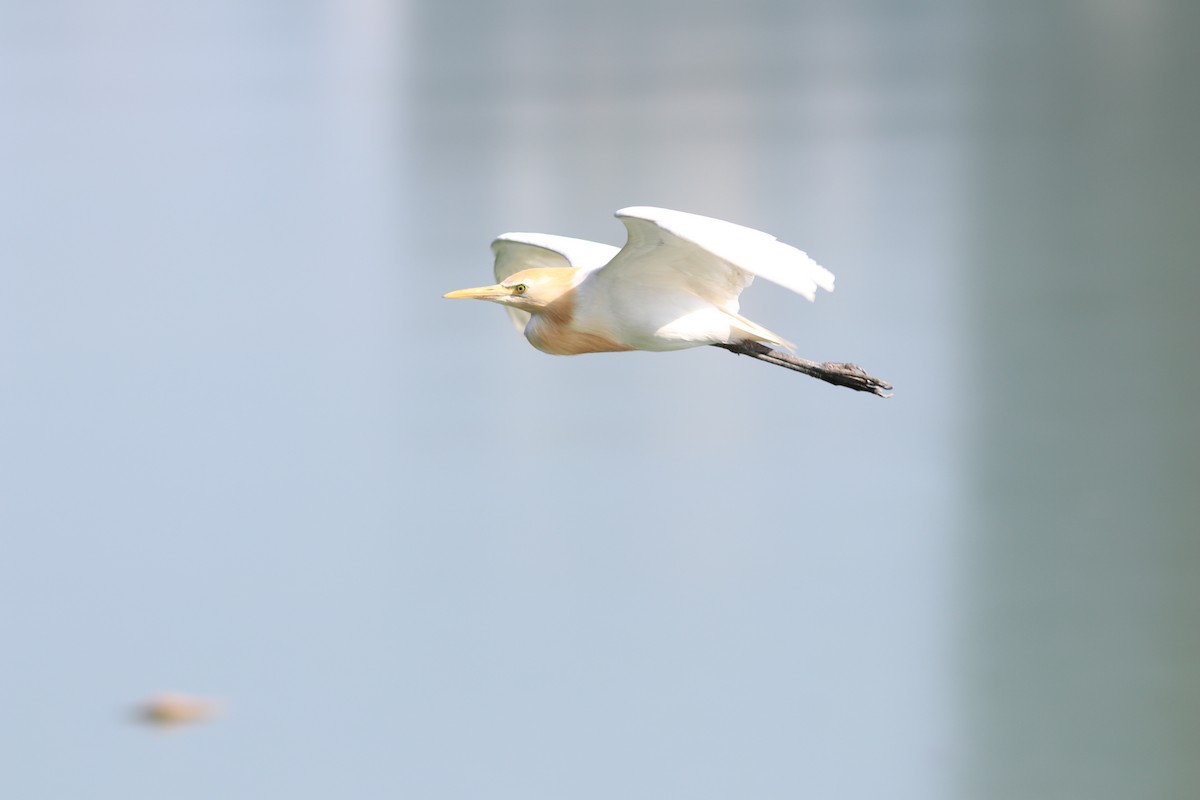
754, 331
848, 375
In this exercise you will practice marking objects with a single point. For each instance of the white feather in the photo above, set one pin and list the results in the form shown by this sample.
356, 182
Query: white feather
717, 259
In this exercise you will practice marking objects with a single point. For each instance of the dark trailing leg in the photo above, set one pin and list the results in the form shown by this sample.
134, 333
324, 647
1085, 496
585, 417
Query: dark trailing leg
848, 375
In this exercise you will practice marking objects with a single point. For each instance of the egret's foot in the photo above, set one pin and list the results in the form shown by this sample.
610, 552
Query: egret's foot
851, 376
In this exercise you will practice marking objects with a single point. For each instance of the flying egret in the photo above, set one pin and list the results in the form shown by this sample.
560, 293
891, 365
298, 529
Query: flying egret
675, 284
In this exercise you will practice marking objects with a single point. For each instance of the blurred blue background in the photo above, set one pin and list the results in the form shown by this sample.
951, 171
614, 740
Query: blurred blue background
249, 452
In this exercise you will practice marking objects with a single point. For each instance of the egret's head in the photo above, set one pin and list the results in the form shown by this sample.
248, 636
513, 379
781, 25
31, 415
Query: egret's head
530, 290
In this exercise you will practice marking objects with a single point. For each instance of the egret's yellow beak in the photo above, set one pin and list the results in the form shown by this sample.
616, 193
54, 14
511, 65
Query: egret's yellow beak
480, 293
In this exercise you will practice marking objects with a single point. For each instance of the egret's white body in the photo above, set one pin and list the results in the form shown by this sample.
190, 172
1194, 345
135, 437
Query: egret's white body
674, 285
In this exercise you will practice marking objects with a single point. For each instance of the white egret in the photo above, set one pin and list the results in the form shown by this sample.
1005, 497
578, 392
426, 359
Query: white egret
675, 284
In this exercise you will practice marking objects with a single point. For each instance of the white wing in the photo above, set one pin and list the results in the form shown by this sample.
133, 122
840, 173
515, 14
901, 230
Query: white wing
709, 257
518, 251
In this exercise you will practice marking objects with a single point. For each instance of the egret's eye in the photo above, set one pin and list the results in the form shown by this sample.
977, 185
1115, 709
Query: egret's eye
519, 289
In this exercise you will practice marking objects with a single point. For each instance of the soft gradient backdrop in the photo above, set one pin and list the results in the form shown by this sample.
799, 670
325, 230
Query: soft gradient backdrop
247, 451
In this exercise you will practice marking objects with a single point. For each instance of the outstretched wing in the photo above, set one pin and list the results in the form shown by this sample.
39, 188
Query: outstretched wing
518, 251
709, 257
